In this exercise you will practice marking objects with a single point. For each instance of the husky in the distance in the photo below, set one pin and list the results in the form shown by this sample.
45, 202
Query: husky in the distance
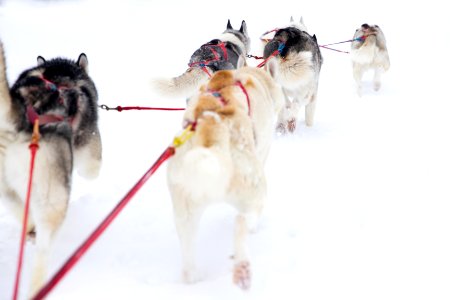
61, 95
233, 115
369, 52
227, 52
296, 68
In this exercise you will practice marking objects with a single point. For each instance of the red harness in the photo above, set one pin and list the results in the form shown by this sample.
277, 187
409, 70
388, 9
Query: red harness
222, 100
32, 115
204, 63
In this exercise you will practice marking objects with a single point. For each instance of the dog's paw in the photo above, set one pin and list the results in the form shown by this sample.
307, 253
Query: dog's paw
191, 276
31, 235
292, 125
281, 129
376, 85
242, 275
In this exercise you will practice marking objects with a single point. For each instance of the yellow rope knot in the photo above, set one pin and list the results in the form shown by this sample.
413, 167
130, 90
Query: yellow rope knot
35, 137
183, 137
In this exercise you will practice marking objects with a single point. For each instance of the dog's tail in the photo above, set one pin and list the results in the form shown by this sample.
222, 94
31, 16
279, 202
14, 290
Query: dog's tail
5, 101
184, 85
206, 166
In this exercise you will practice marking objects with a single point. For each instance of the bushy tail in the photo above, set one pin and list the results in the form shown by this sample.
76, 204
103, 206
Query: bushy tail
182, 86
5, 101
206, 168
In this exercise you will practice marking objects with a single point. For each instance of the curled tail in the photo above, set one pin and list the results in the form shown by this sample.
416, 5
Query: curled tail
182, 86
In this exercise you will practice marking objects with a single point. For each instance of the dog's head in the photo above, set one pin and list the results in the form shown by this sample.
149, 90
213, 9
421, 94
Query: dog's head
241, 34
368, 34
59, 87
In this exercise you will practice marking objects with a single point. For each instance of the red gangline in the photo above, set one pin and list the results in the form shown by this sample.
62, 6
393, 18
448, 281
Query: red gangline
34, 146
101, 228
121, 108
325, 47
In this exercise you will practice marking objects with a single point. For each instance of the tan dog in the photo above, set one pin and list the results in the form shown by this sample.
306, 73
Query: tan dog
368, 51
234, 115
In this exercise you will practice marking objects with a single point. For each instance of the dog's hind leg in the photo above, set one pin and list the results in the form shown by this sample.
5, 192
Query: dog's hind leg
88, 158
241, 271
14, 204
286, 115
310, 109
377, 79
357, 75
49, 209
187, 217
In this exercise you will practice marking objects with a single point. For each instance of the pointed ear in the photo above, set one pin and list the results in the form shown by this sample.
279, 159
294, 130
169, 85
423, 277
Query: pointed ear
40, 60
292, 19
314, 38
83, 62
229, 25
243, 28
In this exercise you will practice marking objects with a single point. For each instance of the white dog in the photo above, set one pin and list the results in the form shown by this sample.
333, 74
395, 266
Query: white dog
233, 115
368, 51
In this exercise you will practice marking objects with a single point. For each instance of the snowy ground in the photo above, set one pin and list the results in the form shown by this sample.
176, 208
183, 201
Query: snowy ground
358, 207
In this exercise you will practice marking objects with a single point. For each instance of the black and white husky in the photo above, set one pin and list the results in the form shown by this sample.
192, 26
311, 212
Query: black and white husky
227, 52
369, 52
296, 68
62, 96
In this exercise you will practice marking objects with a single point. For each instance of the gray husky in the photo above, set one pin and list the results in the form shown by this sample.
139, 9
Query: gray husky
62, 96
368, 51
296, 68
227, 52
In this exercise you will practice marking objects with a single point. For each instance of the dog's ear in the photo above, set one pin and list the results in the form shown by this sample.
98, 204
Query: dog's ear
83, 62
40, 60
243, 28
314, 38
229, 27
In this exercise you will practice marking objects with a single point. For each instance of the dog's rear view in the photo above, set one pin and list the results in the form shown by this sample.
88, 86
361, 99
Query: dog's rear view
296, 68
227, 52
61, 95
369, 52
233, 115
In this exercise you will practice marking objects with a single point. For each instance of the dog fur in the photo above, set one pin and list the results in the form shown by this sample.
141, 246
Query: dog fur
369, 54
63, 97
296, 68
224, 160
237, 45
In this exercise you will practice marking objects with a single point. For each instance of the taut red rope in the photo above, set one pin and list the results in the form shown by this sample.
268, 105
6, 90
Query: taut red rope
121, 108
177, 142
34, 146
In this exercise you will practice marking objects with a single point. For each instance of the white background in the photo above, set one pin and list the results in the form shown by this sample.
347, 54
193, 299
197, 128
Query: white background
358, 205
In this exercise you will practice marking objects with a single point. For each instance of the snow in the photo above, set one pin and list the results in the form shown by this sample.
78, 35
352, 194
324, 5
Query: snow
358, 205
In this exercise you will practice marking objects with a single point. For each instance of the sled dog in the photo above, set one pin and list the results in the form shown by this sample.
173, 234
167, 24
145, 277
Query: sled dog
227, 52
369, 52
296, 68
60, 94
234, 117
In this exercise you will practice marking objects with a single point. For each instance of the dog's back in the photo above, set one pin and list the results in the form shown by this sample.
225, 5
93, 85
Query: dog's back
233, 115
224, 53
